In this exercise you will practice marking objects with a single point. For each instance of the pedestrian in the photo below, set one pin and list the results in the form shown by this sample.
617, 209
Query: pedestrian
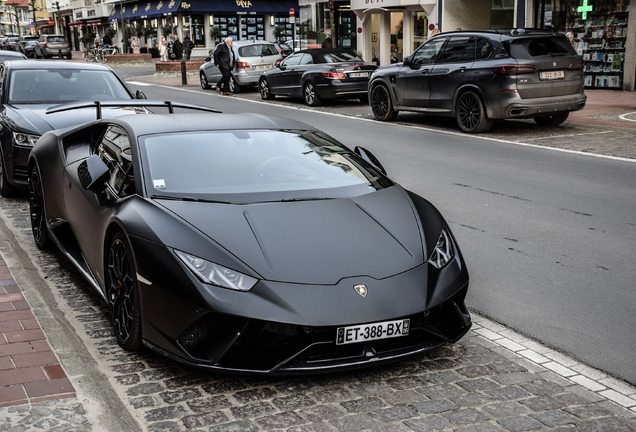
163, 49
187, 46
106, 39
136, 45
435, 32
177, 48
224, 60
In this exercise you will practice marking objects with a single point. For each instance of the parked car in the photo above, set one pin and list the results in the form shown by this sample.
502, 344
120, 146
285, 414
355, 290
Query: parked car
251, 59
317, 74
11, 43
27, 89
3, 39
51, 45
481, 76
212, 240
26, 45
11, 55
283, 48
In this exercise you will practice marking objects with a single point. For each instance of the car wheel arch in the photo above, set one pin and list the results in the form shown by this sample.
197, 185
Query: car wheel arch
466, 88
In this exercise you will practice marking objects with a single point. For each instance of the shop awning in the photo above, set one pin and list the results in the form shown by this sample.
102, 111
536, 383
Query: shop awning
145, 9
95, 23
76, 24
261, 7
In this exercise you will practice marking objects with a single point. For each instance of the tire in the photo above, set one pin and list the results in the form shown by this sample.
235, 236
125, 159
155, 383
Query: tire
204, 81
122, 293
37, 213
263, 89
234, 86
552, 120
7, 190
311, 95
381, 104
471, 114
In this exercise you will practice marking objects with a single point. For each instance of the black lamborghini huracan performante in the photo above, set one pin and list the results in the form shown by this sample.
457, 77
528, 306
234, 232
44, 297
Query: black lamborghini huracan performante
248, 243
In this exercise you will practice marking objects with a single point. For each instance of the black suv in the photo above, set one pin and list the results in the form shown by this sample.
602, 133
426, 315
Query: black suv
481, 76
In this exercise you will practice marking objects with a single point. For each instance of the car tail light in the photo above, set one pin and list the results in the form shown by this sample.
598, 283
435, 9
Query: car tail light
46, 44
243, 65
278, 62
576, 65
333, 75
514, 69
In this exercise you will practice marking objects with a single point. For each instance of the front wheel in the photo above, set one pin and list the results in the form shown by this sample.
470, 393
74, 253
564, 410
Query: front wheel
264, 90
471, 114
234, 86
311, 95
122, 293
552, 120
39, 228
204, 81
381, 104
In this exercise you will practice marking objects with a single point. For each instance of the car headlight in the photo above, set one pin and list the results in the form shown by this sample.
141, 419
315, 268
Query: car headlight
25, 139
443, 252
214, 274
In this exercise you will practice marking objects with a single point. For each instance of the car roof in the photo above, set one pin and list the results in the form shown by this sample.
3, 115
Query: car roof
323, 51
30, 64
250, 42
16, 54
145, 124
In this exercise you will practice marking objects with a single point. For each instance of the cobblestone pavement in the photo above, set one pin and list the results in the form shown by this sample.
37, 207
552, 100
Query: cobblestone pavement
492, 380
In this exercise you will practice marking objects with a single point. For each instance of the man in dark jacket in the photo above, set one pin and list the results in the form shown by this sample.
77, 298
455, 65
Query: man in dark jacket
177, 48
187, 46
224, 60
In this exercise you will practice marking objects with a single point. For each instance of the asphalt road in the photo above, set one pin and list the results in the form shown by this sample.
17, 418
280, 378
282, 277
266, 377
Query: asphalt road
548, 236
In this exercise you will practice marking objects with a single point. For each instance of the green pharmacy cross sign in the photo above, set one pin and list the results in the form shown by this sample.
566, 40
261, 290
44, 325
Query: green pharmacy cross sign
585, 9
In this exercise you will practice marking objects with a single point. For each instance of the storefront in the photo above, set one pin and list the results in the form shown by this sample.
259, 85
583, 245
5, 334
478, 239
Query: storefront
602, 31
207, 22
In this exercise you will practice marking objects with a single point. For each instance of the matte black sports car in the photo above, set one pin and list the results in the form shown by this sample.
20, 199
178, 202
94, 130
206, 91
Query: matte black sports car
27, 89
317, 74
248, 243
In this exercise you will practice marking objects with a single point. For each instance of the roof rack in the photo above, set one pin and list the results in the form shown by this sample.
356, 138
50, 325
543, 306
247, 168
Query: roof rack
171, 105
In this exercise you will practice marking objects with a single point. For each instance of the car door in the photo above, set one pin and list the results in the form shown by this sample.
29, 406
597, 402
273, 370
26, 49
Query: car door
280, 81
88, 213
412, 80
297, 77
451, 71
212, 73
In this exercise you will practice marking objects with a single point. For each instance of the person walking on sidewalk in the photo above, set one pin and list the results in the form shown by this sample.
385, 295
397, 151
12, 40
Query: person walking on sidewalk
224, 60
163, 49
187, 46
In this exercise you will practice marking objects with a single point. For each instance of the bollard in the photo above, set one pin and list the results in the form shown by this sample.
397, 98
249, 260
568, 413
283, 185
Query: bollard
184, 75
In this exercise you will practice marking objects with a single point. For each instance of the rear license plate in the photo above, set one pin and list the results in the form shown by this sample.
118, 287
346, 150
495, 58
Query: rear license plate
375, 331
551, 75
359, 75
259, 67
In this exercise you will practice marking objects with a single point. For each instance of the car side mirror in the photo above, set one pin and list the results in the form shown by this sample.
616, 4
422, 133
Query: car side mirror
93, 174
407, 61
140, 95
208, 59
369, 157
281, 66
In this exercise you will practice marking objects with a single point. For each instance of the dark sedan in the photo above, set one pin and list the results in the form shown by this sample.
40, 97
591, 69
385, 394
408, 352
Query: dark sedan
248, 243
317, 74
27, 89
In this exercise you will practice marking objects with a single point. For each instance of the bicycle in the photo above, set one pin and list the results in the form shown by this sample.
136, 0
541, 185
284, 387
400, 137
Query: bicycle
96, 55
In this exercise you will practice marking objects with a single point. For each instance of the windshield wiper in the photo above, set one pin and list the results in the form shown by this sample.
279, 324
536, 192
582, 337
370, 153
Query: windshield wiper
203, 200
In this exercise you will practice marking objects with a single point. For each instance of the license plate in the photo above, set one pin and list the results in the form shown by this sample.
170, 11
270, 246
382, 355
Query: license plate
259, 67
375, 331
551, 75
359, 74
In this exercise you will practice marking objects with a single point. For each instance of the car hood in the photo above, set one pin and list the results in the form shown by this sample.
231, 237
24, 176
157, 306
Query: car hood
34, 117
315, 242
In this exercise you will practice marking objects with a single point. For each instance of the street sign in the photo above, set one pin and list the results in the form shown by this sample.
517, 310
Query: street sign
31, 24
291, 12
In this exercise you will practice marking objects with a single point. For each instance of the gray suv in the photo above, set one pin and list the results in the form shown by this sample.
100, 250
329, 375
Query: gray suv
251, 59
50, 45
481, 76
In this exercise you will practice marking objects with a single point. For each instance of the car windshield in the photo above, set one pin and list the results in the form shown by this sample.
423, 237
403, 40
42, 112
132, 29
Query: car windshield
254, 166
33, 86
341, 56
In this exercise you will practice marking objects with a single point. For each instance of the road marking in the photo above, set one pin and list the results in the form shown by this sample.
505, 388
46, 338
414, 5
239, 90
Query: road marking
622, 117
571, 135
143, 84
600, 156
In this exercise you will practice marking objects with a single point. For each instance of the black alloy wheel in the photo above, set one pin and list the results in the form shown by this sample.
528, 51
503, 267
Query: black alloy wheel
122, 293
381, 104
311, 95
471, 114
204, 81
263, 88
552, 120
39, 229
7, 190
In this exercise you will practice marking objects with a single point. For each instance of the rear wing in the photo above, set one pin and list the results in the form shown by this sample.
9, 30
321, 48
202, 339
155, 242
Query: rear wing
140, 103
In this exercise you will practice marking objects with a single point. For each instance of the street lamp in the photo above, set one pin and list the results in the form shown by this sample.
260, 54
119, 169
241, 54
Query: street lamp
123, 32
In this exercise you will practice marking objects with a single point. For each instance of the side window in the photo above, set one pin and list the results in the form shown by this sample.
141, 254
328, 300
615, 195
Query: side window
484, 49
292, 60
114, 150
427, 53
454, 51
306, 59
